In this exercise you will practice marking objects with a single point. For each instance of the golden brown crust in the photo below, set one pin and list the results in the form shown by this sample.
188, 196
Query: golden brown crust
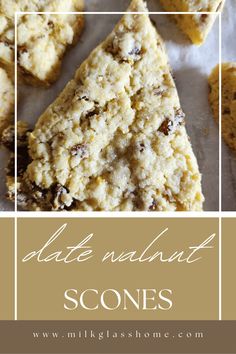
195, 26
228, 101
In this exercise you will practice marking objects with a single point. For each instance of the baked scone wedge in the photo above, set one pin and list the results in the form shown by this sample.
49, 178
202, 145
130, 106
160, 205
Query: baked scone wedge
42, 39
115, 137
196, 26
6, 100
228, 116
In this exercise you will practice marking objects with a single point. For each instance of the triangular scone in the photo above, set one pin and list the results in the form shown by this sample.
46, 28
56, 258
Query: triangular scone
228, 100
196, 26
115, 138
6, 100
42, 39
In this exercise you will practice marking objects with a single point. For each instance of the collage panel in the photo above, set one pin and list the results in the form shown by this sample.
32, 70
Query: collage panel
118, 112
115, 138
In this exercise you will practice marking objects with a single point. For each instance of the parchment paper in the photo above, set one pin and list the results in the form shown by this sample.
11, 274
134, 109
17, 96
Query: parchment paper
191, 65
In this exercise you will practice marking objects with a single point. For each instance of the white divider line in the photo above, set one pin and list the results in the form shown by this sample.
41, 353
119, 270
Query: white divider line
220, 167
117, 214
15, 178
114, 13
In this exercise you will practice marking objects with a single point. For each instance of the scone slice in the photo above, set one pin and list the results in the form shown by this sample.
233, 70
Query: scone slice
42, 39
40, 50
195, 26
228, 114
6, 41
115, 137
6, 100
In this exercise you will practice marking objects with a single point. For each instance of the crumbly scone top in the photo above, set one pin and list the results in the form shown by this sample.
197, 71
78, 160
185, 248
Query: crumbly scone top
37, 34
196, 26
228, 100
9, 7
6, 99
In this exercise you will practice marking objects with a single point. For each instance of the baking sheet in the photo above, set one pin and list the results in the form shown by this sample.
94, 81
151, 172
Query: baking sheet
191, 67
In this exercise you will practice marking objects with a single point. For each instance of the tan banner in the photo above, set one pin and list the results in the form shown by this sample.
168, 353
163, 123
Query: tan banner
6, 269
118, 269
118, 337
228, 269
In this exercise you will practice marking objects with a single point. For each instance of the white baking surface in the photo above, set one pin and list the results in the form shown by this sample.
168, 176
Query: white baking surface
191, 67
